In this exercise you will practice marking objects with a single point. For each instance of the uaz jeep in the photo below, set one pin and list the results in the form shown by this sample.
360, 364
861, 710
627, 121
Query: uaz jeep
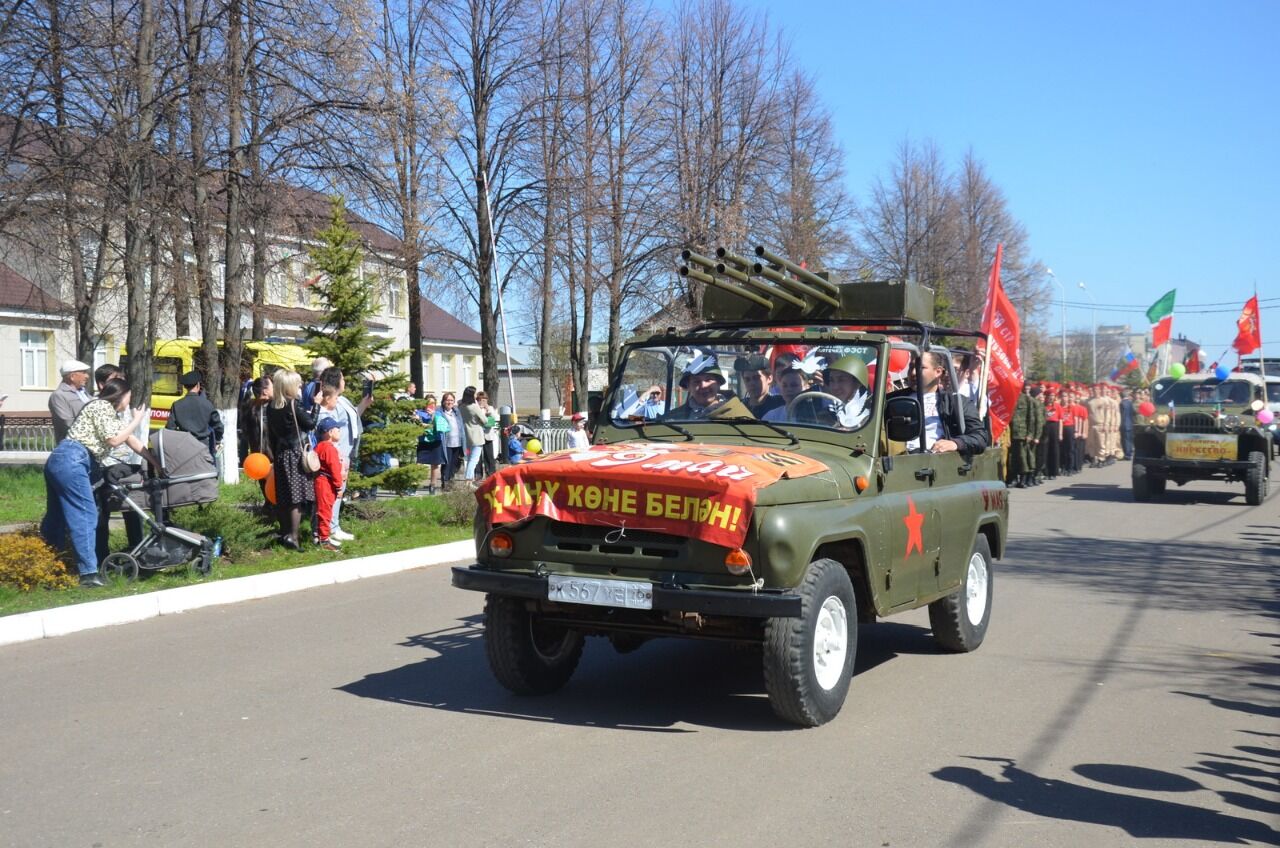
758, 479
1204, 428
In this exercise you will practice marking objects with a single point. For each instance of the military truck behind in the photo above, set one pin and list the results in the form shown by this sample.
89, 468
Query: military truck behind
1204, 429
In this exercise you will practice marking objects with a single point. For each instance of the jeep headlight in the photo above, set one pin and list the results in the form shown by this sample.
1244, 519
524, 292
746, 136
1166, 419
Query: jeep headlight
1162, 420
1231, 423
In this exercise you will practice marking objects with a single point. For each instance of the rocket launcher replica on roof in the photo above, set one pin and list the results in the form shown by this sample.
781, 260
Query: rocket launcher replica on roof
774, 288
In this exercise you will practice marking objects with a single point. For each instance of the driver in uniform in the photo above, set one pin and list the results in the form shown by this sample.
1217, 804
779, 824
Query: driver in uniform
792, 382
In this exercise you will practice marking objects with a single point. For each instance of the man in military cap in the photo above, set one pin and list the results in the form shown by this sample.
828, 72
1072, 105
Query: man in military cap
704, 381
757, 380
194, 414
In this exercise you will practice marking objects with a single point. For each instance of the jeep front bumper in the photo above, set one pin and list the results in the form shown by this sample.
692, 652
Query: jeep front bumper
1193, 466
742, 603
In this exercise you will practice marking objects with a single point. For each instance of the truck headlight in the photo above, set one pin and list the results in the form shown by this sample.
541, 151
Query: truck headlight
1162, 420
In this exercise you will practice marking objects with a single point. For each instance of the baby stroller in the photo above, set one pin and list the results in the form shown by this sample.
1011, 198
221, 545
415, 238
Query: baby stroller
186, 475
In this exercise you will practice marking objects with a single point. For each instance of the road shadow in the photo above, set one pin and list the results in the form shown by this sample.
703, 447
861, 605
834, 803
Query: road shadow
1180, 574
1174, 495
664, 684
1139, 816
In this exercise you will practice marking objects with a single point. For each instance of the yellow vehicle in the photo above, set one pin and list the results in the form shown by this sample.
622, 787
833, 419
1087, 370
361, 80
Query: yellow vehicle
175, 357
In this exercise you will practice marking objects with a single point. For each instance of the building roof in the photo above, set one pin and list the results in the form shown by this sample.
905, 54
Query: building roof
440, 326
17, 292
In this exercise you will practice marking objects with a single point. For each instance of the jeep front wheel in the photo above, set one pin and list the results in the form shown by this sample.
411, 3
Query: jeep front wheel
1255, 479
526, 654
808, 661
1142, 488
960, 620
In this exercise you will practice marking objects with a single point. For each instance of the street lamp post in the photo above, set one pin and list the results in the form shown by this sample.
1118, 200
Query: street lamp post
1049, 271
1085, 289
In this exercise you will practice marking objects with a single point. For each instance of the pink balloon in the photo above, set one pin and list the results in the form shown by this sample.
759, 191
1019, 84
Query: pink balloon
1266, 416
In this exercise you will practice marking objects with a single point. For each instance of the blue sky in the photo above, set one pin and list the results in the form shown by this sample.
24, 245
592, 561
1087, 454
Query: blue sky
1138, 141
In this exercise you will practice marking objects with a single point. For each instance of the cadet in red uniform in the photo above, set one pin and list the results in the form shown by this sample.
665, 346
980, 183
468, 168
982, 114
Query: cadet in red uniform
1052, 431
1081, 414
329, 481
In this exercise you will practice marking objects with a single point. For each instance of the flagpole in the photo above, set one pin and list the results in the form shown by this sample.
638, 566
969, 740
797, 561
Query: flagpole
1262, 350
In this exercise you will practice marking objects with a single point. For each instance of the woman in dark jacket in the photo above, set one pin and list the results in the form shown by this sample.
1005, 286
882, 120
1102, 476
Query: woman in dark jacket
288, 425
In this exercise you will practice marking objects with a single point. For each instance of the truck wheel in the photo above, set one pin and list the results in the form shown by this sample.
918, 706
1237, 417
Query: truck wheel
960, 620
808, 661
527, 655
625, 643
1141, 484
1255, 479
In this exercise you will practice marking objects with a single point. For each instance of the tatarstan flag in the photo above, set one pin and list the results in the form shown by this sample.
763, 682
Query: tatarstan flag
1161, 316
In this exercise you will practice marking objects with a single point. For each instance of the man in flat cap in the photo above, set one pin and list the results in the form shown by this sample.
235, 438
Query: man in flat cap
68, 397
194, 414
757, 380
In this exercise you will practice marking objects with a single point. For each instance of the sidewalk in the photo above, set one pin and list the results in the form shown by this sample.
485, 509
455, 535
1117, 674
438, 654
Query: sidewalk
44, 624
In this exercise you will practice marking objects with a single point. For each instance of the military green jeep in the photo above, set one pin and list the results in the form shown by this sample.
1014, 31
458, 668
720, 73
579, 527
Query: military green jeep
794, 467
1203, 428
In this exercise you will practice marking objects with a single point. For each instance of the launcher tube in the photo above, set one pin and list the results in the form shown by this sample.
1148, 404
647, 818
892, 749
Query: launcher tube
735, 274
800, 273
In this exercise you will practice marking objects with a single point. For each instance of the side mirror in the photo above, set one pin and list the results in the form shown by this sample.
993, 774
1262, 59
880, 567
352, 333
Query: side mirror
902, 418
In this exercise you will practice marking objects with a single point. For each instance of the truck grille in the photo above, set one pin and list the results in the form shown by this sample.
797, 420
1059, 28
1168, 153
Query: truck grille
1194, 422
589, 539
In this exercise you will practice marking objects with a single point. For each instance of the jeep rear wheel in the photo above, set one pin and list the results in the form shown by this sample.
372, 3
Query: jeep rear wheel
960, 620
526, 654
1255, 479
808, 661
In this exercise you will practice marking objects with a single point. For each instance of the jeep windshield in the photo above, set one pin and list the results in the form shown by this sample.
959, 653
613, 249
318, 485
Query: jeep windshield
827, 386
1187, 393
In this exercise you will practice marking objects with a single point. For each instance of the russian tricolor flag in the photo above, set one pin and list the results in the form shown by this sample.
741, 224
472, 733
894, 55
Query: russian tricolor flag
1128, 362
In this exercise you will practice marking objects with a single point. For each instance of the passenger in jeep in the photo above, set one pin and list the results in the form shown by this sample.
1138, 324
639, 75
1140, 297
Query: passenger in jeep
704, 381
941, 418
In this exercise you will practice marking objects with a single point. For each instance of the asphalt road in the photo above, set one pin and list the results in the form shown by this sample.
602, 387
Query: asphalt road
1127, 694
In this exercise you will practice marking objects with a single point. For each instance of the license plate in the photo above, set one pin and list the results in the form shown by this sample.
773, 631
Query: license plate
600, 593
1201, 446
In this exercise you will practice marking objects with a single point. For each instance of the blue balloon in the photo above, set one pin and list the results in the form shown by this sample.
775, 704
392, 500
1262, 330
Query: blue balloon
1221, 373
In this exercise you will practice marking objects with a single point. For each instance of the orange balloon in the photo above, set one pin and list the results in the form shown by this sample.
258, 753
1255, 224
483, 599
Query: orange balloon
270, 489
257, 466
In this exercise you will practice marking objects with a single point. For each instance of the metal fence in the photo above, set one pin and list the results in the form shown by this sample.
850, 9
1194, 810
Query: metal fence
25, 434
552, 438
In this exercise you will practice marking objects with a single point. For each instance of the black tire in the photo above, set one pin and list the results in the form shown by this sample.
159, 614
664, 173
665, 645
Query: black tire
204, 563
1157, 483
1255, 479
803, 688
120, 564
953, 617
526, 655
1141, 483
625, 643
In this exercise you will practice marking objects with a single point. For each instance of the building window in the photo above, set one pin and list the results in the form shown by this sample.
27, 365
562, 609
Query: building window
100, 352
446, 372
34, 347
466, 371
393, 297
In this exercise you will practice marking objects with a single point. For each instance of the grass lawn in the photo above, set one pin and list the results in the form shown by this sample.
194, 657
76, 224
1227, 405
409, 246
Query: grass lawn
21, 493
380, 526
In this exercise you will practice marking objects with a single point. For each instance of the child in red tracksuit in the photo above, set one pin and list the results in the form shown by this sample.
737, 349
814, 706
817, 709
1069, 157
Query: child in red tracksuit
329, 480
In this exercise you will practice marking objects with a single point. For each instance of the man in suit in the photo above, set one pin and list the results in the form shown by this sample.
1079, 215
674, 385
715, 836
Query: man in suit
947, 428
194, 413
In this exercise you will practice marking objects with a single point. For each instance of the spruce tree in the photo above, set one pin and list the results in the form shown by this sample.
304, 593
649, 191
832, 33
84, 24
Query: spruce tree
348, 303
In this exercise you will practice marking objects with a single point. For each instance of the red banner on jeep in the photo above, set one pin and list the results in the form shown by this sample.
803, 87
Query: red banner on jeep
703, 492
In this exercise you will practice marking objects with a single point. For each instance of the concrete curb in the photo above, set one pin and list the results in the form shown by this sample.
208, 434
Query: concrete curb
44, 624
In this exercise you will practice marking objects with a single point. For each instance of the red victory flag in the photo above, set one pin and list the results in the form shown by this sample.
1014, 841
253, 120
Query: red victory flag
1249, 335
1002, 372
1192, 362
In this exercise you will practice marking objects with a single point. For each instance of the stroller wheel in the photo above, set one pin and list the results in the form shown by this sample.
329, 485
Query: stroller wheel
120, 564
204, 563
